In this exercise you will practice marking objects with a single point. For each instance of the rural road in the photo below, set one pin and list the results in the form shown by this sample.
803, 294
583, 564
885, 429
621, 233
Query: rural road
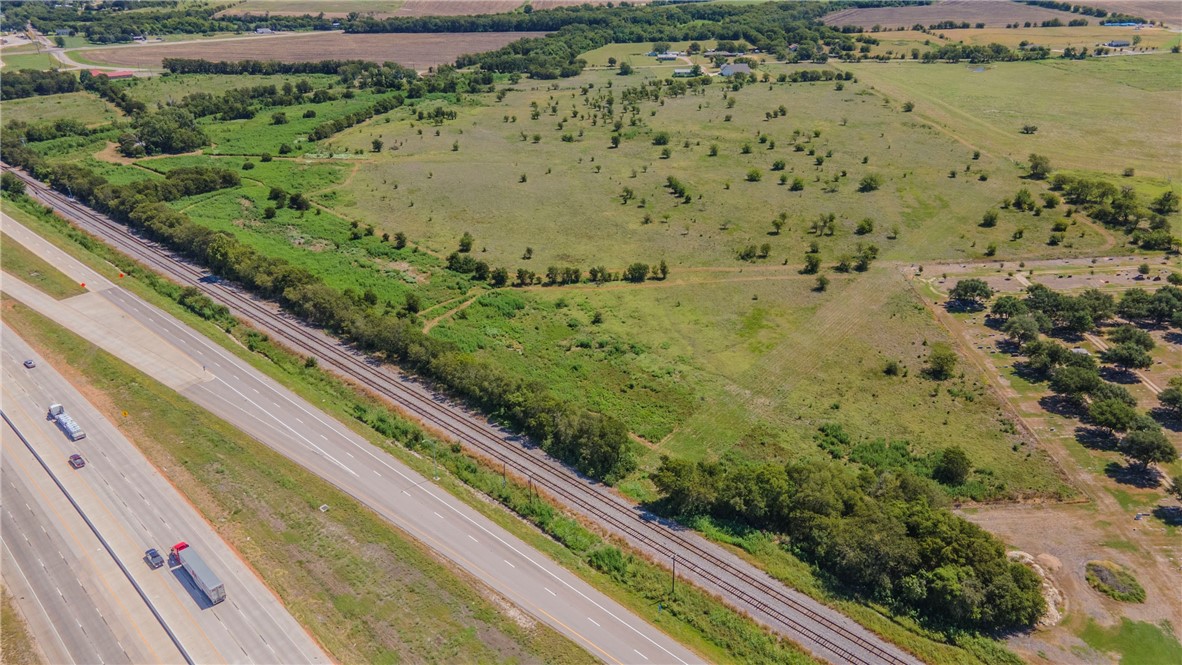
236, 392
135, 508
821, 630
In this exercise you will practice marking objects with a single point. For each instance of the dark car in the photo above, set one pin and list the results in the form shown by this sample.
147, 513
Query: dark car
77, 462
30, 364
154, 558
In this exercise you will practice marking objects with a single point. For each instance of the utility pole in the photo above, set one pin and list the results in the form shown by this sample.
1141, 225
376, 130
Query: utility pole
435, 456
673, 591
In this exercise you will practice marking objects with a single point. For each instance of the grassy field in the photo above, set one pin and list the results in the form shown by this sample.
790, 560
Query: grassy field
1135, 642
364, 590
1090, 36
331, 8
16, 643
1082, 108
35, 271
20, 61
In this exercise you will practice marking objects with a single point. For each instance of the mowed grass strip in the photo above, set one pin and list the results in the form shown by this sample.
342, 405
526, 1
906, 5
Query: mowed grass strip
82, 106
26, 266
17, 646
362, 588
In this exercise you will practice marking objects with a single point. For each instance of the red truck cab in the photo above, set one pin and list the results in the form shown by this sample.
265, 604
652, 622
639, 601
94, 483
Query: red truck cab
172, 554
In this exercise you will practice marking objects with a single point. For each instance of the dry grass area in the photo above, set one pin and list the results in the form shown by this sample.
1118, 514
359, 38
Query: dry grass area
989, 12
456, 7
418, 51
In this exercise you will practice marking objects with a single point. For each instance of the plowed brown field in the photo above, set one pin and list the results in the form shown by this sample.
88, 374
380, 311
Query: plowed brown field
418, 51
456, 7
990, 12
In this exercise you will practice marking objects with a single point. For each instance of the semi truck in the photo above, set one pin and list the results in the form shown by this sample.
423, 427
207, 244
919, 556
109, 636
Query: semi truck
202, 576
73, 430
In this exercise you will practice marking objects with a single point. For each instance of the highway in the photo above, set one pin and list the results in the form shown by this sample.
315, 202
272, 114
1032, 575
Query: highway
133, 508
821, 630
236, 392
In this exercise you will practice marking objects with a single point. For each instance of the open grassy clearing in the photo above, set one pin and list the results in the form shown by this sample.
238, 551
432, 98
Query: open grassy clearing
364, 590
1081, 108
81, 105
17, 646
1135, 642
572, 203
40, 61
35, 271
417, 50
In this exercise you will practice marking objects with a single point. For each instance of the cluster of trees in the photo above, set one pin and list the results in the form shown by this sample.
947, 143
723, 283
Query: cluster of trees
1121, 207
50, 130
242, 103
30, 82
983, 53
595, 444
112, 92
120, 22
169, 130
881, 535
1076, 376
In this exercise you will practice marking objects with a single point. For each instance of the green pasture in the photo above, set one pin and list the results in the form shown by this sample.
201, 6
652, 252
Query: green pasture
40, 61
81, 105
1101, 115
259, 135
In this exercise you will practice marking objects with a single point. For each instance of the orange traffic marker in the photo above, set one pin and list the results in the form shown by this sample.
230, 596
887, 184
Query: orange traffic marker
83, 285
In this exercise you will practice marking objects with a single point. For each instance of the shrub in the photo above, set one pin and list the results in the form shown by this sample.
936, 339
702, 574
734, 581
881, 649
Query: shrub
870, 182
1114, 581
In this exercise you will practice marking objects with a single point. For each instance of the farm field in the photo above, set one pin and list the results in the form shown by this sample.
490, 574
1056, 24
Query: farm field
1057, 39
1152, 10
993, 13
330, 8
417, 51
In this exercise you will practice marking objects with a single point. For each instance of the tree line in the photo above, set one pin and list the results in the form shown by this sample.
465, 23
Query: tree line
30, 83
595, 444
880, 535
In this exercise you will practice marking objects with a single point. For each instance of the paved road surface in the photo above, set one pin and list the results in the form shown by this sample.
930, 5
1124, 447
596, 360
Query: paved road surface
134, 508
274, 415
822, 630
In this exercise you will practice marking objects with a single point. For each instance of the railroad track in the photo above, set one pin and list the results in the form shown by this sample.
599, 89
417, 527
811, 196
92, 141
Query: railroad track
820, 629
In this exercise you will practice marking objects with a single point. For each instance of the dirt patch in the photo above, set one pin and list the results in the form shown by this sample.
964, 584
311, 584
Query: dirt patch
418, 51
406, 269
990, 12
111, 154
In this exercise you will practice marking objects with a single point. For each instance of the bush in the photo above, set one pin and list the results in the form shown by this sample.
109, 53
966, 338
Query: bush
870, 182
1114, 581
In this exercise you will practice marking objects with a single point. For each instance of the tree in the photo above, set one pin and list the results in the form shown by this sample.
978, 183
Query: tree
660, 47
399, 240
754, 175
954, 466
279, 118
170, 130
1166, 203
870, 182
1040, 166
12, 184
1074, 382
777, 224
797, 185
377, 145
1029, 129
1007, 307
1021, 329
812, 263
971, 292
941, 362
822, 283
637, 272
1148, 447
625, 69
865, 226
466, 241
1128, 356
1127, 334
1113, 415
1171, 397
989, 219
908, 107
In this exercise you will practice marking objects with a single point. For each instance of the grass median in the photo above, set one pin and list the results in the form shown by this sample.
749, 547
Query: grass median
26, 266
